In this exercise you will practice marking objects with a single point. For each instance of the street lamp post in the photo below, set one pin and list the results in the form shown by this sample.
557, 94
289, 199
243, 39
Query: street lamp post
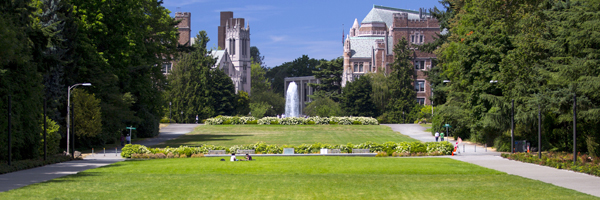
69, 109
512, 123
181, 116
169, 112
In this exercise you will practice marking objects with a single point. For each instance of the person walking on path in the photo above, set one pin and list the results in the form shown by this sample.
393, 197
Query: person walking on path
437, 135
128, 139
442, 136
196, 119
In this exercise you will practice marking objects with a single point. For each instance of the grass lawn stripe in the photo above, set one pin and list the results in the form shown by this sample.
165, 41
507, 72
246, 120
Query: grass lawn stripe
230, 135
294, 178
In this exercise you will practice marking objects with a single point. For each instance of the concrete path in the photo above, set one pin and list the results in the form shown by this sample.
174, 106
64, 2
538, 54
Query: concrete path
568, 179
477, 154
168, 133
417, 131
22, 178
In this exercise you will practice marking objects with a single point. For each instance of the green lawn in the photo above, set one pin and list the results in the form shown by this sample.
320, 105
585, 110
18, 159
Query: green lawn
294, 178
229, 135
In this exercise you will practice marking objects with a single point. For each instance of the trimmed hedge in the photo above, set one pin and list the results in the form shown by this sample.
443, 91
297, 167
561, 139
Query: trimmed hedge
390, 148
560, 160
219, 120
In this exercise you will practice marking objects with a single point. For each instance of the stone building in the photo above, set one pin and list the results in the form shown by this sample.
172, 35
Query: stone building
234, 43
184, 29
369, 45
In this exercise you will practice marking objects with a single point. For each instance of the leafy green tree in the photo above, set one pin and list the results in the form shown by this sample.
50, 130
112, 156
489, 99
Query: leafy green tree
259, 109
190, 83
402, 77
20, 78
357, 100
381, 90
223, 93
242, 103
52, 137
303, 66
262, 94
323, 106
255, 56
88, 118
330, 76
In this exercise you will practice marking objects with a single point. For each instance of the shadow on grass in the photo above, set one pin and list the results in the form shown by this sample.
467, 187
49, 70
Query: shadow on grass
200, 139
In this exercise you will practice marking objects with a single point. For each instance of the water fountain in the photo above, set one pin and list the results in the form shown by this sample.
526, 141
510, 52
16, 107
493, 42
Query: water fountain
291, 101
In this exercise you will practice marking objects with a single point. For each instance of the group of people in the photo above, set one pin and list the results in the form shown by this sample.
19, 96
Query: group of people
125, 139
248, 158
438, 135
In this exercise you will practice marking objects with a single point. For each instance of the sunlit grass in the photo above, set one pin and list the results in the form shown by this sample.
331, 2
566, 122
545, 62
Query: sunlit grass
229, 135
294, 178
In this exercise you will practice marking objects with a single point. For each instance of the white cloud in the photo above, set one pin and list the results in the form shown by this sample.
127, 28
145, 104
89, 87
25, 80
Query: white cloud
277, 38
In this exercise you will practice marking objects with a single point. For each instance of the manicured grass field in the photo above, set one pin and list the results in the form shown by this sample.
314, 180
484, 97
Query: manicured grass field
294, 178
229, 135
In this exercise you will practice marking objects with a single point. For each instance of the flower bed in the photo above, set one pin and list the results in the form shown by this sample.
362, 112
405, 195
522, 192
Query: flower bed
560, 160
219, 120
390, 148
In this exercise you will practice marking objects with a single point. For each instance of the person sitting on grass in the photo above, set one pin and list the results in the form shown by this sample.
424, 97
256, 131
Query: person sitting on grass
232, 157
248, 157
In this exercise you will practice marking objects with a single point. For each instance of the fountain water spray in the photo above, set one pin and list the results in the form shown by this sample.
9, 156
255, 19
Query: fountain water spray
291, 101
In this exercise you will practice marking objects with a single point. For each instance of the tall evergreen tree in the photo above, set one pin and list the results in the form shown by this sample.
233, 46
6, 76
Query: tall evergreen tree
357, 100
402, 80
329, 74
190, 86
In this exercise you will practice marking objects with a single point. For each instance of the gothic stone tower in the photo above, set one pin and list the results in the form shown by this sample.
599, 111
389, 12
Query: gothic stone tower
184, 27
236, 40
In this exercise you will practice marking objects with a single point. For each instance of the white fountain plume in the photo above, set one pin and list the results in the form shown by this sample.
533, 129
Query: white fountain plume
291, 101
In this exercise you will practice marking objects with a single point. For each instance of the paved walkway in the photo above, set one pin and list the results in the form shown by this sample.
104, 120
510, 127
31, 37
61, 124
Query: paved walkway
477, 154
23, 178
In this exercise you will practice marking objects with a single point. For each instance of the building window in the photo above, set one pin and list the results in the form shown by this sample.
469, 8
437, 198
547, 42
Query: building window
420, 86
360, 67
233, 47
355, 67
419, 64
416, 38
421, 101
371, 67
166, 68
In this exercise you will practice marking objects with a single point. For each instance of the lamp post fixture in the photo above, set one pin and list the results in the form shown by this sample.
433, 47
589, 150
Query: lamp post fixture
69, 111
512, 123
169, 112
181, 116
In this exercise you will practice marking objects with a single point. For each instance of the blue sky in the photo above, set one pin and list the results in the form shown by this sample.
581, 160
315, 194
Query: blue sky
284, 30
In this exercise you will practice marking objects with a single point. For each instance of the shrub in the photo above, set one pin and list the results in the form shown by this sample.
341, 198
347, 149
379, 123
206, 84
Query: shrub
131, 149
356, 122
310, 123
160, 155
166, 120
253, 122
170, 155
381, 154
198, 155
227, 122
182, 156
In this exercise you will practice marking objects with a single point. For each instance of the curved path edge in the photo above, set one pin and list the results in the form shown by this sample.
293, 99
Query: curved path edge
27, 177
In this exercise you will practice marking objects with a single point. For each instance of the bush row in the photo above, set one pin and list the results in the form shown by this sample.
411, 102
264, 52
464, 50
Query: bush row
560, 160
391, 148
292, 120
163, 156
28, 164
